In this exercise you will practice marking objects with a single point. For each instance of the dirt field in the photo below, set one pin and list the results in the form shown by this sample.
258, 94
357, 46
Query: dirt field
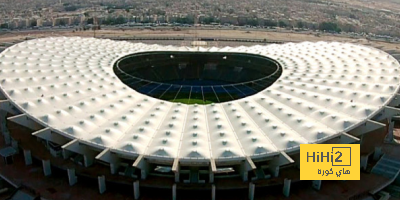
393, 5
170, 33
191, 34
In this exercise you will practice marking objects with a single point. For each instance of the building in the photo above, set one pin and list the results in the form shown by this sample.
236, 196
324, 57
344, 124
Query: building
80, 97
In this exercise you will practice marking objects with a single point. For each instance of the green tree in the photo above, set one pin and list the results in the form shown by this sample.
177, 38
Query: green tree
34, 23
282, 24
120, 20
269, 22
62, 23
300, 24
186, 20
90, 21
70, 8
329, 26
209, 20
252, 22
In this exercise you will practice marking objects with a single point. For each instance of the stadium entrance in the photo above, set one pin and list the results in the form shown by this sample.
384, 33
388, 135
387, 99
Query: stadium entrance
197, 77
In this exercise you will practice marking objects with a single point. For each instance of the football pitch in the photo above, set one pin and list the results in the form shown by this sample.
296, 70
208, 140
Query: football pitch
192, 101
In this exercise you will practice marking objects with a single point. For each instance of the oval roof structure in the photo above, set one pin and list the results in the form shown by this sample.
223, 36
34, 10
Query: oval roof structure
68, 85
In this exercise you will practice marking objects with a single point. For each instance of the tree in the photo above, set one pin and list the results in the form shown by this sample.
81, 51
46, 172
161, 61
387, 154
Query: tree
34, 23
90, 21
186, 20
120, 20
329, 26
282, 24
269, 22
209, 20
300, 24
252, 22
70, 8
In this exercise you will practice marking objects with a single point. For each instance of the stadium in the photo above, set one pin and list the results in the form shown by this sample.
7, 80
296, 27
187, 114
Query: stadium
193, 118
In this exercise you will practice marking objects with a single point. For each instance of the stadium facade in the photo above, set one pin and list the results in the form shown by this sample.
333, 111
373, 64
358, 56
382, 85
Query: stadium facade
194, 114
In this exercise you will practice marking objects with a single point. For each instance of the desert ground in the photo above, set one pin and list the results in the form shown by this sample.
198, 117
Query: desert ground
192, 34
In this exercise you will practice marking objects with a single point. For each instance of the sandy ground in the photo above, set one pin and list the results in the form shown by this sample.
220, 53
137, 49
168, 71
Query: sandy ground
170, 33
191, 34
392, 5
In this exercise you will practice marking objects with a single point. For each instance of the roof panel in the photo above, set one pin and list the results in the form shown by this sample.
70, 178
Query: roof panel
68, 84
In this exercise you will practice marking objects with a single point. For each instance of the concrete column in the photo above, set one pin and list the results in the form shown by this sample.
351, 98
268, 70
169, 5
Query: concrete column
389, 137
102, 184
66, 153
3, 125
28, 157
72, 179
143, 174
14, 144
46, 167
377, 153
245, 176
7, 138
286, 187
252, 188
177, 176
274, 171
364, 162
174, 192
114, 168
88, 161
243, 171
136, 192
316, 184
211, 177
213, 192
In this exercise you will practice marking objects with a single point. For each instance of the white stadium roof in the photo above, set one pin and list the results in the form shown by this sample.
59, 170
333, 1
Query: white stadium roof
68, 85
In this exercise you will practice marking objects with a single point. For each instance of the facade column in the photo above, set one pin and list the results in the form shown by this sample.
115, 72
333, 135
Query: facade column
377, 153
316, 184
286, 187
14, 144
136, 191
177, 176
364, 162
66, 153
102, 184
211, 177
88, 161
252, 188
7, 138
143, 174
174, 192
114, 168
28, 157
72, 179
46, 167
3, 127
213, 192
389, 137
